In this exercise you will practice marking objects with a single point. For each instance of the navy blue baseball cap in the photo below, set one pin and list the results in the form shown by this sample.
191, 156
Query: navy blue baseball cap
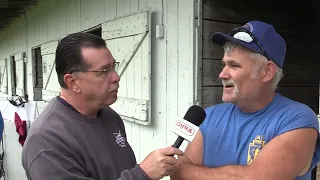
257, 36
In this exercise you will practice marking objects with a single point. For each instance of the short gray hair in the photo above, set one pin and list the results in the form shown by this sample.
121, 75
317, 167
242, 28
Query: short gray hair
259, 60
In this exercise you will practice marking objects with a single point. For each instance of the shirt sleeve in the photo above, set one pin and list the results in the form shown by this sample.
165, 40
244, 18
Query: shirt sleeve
52, 165
204, 125
302, 118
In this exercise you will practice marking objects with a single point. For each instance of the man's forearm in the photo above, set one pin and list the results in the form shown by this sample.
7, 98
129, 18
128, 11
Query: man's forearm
231, 172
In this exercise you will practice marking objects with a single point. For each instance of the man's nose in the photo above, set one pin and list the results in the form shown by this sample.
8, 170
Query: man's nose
224, 74
115, 77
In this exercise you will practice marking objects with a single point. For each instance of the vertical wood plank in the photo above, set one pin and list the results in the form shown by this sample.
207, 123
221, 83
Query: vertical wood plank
42, 25
75, 16
143, 4
122, 49
172, 31
128, 126
134, 5
155, 136
145, 68
64, 14
110, 11
135, 139
126, 7
120, 7
186, 54
136, 85
138, 67
92, 14
54, 21
129, 73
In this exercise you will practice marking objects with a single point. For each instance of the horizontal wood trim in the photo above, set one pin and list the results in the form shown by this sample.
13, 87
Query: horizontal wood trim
306, 95
242, 14
283, 16
126, 26
49, 47
212, 95
294, 74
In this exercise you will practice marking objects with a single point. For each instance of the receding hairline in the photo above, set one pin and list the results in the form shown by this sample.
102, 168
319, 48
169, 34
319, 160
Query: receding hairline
112, 61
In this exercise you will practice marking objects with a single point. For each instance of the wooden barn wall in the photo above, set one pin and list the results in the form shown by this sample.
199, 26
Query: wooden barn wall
301, 69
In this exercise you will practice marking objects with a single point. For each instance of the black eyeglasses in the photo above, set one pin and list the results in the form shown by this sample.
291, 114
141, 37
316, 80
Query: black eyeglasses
103, 72
245, 35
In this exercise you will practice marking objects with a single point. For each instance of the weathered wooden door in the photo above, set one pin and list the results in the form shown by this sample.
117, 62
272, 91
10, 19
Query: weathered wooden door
19, 74
51, 87
128, 39
3, 76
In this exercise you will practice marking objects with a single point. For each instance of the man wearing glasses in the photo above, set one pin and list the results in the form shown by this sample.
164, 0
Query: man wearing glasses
256, 133
78, 136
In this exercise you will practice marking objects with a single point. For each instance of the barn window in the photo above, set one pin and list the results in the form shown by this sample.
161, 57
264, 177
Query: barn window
37, 74
13, 75
18, 74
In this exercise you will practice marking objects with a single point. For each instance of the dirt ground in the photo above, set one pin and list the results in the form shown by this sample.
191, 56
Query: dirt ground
318, 173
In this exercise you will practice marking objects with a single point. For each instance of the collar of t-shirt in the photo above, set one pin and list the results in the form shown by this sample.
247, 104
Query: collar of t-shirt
64, 102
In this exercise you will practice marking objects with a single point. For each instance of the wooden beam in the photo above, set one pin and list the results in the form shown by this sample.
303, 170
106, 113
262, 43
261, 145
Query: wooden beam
278, 13
10, 14
7, 19
4, 24
17, 4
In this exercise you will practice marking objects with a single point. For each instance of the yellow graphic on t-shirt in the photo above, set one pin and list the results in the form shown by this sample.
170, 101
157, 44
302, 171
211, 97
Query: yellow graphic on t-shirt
255, 147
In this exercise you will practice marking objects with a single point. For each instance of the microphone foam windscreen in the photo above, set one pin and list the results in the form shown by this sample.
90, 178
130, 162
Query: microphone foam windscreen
195, 115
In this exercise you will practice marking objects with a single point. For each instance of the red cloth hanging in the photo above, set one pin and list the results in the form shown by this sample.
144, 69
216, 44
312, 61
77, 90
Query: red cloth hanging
21, 128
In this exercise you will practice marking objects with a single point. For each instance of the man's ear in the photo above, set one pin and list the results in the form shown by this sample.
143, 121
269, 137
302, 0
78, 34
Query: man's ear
71, 82
269, 71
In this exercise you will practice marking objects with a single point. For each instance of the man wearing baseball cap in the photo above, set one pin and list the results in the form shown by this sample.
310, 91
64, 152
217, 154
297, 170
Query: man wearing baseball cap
256, 133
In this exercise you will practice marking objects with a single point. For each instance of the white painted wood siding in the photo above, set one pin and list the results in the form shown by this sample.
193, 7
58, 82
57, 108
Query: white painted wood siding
172, 58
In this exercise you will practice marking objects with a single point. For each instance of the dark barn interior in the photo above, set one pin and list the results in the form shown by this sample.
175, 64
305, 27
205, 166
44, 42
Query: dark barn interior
11, 9
294, 20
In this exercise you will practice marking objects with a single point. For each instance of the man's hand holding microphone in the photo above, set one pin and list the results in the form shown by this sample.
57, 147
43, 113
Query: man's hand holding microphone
161, 163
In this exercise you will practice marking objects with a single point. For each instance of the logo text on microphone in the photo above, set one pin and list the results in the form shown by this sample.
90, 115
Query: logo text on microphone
185, 128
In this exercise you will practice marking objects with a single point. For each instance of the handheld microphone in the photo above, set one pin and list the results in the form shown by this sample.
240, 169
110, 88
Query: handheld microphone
187, 127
